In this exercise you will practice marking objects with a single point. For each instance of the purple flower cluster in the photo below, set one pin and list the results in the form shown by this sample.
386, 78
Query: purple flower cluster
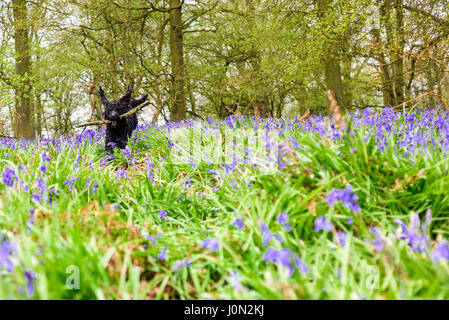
346, 196
415, 234
211, 244
441, 251
163, 214
322, 224
286, 258
180, 264
267, 234
282, 219
9, 177
7, 250
30, 277
70, 182
378, 243
234, 280
238, 223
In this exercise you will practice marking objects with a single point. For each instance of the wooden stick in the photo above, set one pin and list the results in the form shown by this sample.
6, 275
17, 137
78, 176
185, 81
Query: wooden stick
129, 113
415, 98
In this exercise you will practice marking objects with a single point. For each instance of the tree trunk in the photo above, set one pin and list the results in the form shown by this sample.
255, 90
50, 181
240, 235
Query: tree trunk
332, 73
332, 68
178, 111
387, 85
23, 127
395, 36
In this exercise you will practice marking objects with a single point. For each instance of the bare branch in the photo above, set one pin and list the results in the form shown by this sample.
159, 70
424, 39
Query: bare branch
129, 113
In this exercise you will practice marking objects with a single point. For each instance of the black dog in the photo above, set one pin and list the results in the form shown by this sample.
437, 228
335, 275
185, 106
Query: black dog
119, 130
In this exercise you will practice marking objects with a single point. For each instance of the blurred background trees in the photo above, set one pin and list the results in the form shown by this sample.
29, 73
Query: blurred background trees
215, 58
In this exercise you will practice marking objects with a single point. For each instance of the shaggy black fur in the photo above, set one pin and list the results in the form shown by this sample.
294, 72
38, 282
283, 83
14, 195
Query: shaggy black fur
120, 130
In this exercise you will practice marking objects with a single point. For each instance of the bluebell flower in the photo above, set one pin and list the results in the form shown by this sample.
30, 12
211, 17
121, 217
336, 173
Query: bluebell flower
341, 237
43, 169
70, 182
163, 214
121, 173
282, 219
238, 223
378, 242
415, 234
285, 257
7, 250
180, 264
127, 153
267, 234
153, 239
322, 224
9, 176
30, 277
302, 267
162, 255
346, 196
235, 281
211, 244
94, 188
441, 251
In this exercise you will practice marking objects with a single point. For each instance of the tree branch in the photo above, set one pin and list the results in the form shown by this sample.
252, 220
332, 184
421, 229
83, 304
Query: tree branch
129, 113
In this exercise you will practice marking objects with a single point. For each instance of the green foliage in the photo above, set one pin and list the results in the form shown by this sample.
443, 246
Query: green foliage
115, 260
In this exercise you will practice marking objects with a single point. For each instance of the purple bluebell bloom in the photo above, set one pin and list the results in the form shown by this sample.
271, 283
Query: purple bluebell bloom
302, 267
416, 237
9, 177
346, 196
162, 255
285, 257
70, 182
127, 153
30, 277
121, 173
163, 214
180, 264
378, 242
267, 234
235, 281
238, 223
441, 251
282, 219
43, 169
341, 237
322, 224
7, 250
211, 244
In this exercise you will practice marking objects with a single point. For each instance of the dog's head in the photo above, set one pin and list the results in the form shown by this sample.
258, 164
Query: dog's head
114, 109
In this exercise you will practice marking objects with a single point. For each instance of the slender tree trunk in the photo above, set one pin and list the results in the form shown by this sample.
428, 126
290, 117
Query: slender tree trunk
22, 120
347, 88
158, 87
387, 85
178, 111
395, 35
332, 68
332, 73
261, 101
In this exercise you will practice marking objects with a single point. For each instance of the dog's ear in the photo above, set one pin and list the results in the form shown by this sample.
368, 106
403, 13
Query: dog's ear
127, 97
103, 97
